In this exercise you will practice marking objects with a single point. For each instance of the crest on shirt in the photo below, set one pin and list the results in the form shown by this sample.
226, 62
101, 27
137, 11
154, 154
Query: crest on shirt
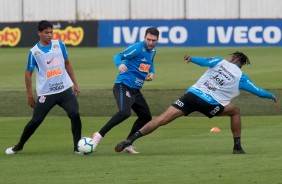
37, 53
56, 46
144, 59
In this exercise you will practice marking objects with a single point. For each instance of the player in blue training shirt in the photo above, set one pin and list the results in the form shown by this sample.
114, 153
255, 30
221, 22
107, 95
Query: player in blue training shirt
135, 65
55, 85
211, 95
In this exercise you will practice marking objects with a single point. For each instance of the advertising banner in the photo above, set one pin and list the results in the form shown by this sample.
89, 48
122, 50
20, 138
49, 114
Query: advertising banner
82, 34
193, 32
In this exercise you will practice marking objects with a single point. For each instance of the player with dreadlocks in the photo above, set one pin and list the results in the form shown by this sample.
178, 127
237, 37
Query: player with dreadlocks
211, 95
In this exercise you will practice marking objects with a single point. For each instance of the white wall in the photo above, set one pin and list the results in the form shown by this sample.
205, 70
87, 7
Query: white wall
72, 10
212, 9
52, 10
265, 9
157, 9
10, 10
102, 9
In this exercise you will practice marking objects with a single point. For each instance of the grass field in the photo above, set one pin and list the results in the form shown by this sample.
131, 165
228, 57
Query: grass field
185, 151
96, 74
182, 152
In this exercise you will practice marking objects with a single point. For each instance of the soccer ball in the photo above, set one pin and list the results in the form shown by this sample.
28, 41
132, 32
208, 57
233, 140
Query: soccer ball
85, 145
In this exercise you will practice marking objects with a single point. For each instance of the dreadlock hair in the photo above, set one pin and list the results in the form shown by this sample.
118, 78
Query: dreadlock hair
244, 60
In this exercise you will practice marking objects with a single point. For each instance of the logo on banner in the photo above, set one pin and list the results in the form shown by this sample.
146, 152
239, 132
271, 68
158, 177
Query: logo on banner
244, 34
175, 34
70, 35
10, 36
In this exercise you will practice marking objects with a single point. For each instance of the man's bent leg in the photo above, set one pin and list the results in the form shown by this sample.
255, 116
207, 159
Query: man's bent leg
40, 111
235, 123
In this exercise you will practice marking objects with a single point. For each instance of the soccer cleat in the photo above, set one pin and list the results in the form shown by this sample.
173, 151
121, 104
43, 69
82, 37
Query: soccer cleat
238, 151
10, 151
96, 138
122, 145
130, 149
77, 152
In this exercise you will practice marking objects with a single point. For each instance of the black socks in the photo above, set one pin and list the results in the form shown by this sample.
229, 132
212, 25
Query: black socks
237, 142
135, 136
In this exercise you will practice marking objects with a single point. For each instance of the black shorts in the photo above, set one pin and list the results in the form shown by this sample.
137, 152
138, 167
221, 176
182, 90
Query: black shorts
190, 102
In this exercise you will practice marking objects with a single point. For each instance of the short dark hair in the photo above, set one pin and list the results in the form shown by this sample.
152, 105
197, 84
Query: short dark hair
44, 24
244, 60
153, 31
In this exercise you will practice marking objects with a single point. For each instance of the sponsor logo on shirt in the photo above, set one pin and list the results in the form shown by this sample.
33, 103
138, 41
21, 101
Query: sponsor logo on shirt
54, 61
228, 73
144, 67
210, 86
48, 62
139, 82
53, 73
56, 86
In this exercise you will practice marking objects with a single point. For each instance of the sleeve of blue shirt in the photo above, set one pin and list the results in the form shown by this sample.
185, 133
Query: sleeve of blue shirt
248, 85
209, 62
152, 68
31, 63
64, 49
132, 51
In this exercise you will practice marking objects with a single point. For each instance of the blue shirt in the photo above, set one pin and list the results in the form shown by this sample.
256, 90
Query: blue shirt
139, 62
31, 62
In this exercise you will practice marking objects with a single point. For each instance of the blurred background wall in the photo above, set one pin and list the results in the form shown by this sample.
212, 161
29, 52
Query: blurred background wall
81, 10
113, 23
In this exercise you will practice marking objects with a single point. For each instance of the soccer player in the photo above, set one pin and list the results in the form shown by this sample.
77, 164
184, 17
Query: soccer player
211, 95
135, 66
55, 85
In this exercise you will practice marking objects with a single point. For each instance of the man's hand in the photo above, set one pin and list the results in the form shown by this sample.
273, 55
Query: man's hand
76, 90
187, 59
122, 68
30, 101
149, 77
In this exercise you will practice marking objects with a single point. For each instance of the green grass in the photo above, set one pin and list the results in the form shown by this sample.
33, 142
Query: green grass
96, 74
184, 151
102, 103
94, 67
